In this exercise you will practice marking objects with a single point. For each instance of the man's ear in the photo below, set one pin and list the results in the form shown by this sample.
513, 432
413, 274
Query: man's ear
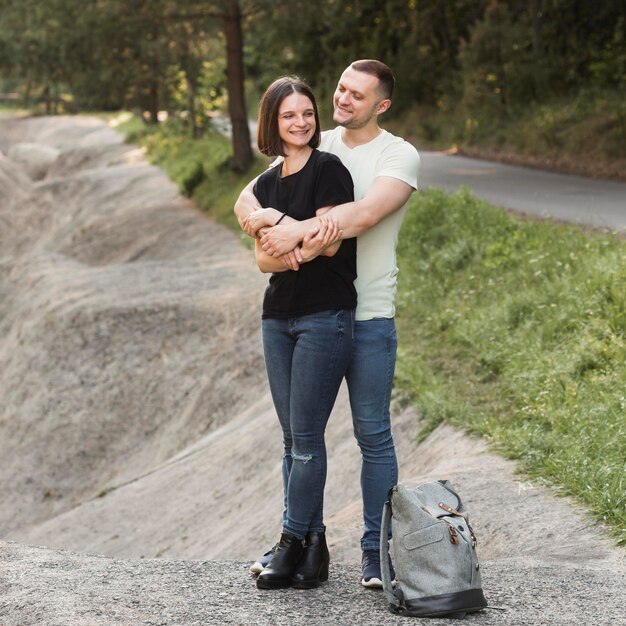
383, 106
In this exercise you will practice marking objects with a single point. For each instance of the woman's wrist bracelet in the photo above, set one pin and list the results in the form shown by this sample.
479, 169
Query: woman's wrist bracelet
280, 219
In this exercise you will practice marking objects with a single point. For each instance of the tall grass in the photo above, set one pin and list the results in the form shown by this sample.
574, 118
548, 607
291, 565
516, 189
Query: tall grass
514, 330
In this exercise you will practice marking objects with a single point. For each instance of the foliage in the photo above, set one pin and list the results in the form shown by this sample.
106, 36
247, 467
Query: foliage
494, 55
419, 40
517, 330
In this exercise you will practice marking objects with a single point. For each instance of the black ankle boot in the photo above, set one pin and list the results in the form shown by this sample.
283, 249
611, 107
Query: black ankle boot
279, 570
313, 566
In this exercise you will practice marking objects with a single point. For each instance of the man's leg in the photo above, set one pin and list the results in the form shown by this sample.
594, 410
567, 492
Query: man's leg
370, 379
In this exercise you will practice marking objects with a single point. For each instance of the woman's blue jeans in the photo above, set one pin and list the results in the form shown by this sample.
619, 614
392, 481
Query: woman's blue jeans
370, 380
306, 358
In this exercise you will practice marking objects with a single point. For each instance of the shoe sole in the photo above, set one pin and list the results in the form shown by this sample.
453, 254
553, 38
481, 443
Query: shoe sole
256, 568
269, 584
376, 583
309, 584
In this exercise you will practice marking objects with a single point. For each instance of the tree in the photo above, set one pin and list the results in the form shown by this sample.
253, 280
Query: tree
242, 151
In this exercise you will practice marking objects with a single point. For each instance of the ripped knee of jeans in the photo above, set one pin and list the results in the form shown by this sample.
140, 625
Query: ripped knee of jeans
303, 458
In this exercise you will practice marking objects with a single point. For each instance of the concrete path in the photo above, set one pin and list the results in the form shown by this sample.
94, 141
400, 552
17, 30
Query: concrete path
52, 588
598, 203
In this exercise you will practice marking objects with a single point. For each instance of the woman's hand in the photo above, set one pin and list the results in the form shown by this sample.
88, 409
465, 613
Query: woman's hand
260, 218
324, 239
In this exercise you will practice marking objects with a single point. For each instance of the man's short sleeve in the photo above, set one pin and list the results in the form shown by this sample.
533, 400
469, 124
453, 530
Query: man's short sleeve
400, 160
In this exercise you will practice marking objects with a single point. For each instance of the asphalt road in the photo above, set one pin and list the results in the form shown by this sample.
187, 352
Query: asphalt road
598, 203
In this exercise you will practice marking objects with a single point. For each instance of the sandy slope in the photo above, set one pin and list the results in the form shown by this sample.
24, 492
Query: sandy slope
135, 419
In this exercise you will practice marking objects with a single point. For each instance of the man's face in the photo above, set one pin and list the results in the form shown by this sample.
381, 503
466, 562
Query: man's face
356, 99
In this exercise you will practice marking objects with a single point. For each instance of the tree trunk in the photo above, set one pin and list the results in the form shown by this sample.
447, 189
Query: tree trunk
242, 150
46, 94
196, 128
154, 103
536, 12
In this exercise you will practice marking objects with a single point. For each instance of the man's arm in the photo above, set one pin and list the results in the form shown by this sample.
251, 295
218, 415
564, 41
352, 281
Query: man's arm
385, 196
246, 202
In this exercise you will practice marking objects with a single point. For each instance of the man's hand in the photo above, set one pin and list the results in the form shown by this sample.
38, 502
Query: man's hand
282, 238
258, 219
319, 238
292, 259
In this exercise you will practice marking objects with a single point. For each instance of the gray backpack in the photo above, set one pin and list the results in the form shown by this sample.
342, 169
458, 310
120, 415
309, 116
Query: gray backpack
434, 553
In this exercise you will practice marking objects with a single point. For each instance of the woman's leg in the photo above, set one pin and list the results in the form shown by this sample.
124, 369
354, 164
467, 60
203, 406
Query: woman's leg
320, 358
278, 347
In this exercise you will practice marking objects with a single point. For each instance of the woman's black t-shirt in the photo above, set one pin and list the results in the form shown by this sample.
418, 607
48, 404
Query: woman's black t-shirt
325, 283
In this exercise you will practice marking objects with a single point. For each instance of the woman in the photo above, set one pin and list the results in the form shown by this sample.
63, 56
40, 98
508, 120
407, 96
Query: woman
307, 322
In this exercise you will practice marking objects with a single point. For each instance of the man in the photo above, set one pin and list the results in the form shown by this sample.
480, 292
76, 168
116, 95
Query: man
385, 170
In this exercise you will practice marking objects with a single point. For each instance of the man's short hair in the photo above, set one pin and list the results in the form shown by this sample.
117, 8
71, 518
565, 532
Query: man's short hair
377, 68
268, 136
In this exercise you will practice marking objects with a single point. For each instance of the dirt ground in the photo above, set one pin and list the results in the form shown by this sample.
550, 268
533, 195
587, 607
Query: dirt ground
135, 420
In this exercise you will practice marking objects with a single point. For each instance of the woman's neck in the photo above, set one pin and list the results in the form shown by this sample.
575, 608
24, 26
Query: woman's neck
295, 160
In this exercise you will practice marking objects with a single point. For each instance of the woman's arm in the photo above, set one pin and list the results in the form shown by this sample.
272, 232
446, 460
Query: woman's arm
320, 240
266, 263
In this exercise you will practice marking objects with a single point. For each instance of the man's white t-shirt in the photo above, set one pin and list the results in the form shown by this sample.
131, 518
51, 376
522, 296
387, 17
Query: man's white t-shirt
386, 155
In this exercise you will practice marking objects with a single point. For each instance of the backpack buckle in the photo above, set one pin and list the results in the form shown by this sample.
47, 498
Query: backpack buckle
454, 537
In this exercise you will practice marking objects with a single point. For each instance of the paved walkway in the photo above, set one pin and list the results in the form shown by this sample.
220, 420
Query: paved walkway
50, 588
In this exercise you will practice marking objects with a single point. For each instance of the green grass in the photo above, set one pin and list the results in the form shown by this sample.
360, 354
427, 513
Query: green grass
514, 330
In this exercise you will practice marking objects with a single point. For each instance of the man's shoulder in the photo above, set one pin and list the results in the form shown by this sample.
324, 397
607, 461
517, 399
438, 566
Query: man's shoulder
328, 137
394, 143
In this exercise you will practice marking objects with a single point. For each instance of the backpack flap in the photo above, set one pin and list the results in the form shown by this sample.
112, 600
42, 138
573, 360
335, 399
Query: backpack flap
433, 494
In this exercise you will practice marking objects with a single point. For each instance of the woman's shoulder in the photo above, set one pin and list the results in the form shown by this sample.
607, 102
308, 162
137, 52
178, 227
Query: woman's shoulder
269, 174
327, 157
328, 162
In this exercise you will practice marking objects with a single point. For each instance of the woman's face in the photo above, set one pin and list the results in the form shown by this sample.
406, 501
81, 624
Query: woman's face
296, 121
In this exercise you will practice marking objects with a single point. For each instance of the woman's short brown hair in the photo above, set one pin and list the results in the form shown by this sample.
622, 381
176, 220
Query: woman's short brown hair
268, 136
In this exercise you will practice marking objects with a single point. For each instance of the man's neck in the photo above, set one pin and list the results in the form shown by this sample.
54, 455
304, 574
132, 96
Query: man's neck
353, 137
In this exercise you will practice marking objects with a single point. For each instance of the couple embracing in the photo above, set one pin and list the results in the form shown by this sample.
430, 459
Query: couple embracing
325, 219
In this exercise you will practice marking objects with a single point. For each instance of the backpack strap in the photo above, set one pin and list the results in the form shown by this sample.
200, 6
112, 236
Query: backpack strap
394, 602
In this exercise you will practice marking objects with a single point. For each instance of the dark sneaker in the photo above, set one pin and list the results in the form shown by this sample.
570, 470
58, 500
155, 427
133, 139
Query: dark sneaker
258, 566
370, 564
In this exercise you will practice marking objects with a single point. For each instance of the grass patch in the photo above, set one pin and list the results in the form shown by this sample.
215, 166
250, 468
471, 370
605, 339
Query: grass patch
514, 330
